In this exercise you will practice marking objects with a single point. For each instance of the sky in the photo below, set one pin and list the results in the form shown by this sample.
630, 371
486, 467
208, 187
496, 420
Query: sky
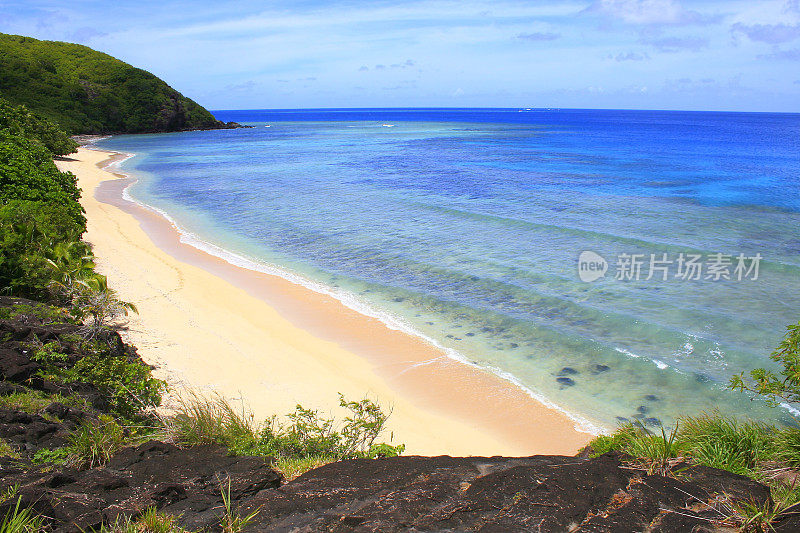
623, 54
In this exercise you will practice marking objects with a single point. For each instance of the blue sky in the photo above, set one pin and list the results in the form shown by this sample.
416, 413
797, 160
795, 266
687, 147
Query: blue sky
647, 54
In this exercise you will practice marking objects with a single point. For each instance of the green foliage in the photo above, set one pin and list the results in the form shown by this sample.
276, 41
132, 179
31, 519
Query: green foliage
34, 402
86, 91
752, 449
17, 120
151, 521
46, 314
305, 439
19, 520
128, 385
749, 516
722, 442
7, 451
292, 467
777, 388
27, 172
710, 439
787, 447
94, 444
92, 298
57, 456
654, 451
28, 233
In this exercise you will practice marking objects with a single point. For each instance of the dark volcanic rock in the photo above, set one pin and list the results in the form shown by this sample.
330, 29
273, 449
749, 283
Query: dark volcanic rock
180, 482
565, 382
28, 433
542, 493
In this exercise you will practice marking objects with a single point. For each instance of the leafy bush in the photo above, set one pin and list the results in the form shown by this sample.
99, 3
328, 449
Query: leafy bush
27, 172
28, 233
128, 385
17, 120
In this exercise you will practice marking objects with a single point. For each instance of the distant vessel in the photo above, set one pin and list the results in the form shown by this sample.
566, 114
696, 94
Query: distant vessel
388, 125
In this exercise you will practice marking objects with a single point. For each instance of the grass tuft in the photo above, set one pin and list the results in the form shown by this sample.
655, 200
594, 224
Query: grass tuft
19, 520
94, 444
151, 521
7, 451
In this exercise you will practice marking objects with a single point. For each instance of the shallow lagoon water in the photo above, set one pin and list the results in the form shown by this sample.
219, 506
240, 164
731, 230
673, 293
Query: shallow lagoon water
466, 226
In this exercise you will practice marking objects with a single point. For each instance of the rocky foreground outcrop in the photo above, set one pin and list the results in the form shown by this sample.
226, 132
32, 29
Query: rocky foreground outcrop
541, 493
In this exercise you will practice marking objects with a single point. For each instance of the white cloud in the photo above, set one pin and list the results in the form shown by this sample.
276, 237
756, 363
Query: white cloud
650, 12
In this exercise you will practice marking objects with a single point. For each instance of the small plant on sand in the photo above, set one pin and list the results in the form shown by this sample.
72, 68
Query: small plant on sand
98, 304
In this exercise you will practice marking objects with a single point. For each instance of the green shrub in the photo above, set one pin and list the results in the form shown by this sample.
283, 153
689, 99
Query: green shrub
128, 385
776, 388
27, 173
28, 232
17, 120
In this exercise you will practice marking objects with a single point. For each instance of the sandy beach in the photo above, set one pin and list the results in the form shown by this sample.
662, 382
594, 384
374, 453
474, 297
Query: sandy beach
213, 327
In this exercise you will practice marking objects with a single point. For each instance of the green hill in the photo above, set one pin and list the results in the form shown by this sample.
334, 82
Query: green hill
86, 91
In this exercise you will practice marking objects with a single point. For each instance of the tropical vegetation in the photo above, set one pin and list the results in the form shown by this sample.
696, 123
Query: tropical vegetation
85, 91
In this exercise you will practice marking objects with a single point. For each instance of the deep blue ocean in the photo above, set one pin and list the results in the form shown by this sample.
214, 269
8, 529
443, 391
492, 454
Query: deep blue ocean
466, 226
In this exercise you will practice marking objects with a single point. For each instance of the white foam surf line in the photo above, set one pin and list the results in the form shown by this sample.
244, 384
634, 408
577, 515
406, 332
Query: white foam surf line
792, 410
348, 299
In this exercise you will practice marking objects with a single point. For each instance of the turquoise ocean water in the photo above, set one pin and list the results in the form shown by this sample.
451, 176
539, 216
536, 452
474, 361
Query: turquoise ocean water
465, 226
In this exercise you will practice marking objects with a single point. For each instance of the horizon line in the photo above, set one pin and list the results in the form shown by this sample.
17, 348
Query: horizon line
531, 109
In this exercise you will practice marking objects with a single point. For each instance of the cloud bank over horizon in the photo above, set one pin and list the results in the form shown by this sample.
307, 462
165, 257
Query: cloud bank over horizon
645, 54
